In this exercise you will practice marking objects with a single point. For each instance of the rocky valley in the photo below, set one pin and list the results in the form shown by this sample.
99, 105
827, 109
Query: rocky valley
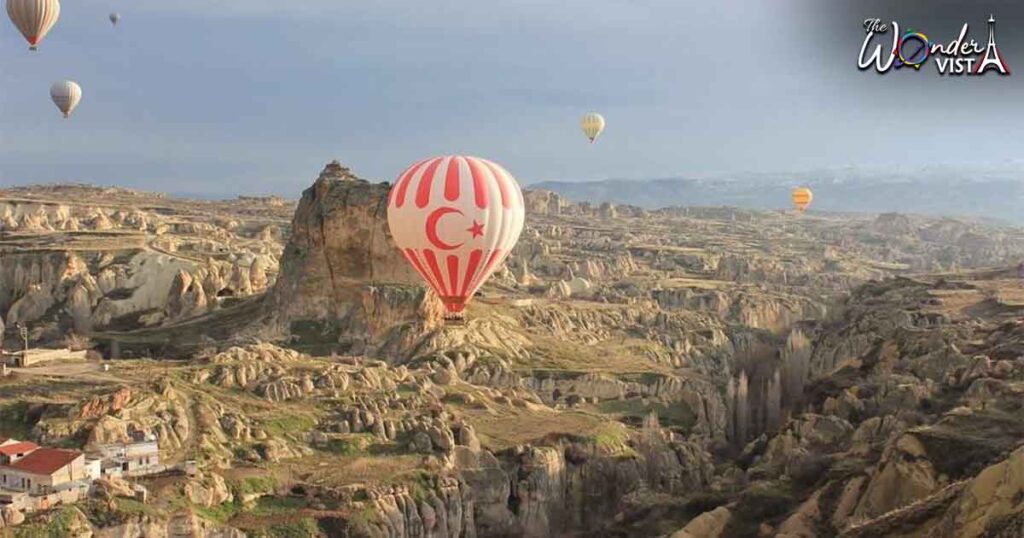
681, 372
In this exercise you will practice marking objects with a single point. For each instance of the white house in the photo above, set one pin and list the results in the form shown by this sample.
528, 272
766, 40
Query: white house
94, 468
136, 458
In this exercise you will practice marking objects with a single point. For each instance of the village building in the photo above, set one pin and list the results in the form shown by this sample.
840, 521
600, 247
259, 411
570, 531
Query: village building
44, 478
94, 468
129, 459
15, 450
44, 470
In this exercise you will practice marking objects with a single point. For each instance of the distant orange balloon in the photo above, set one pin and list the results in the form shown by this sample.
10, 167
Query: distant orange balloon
802, 198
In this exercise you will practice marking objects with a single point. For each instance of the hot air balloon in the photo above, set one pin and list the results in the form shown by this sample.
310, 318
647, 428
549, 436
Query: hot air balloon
802, 197
66, 94
33, 18
115, 18
455, 218
593, 125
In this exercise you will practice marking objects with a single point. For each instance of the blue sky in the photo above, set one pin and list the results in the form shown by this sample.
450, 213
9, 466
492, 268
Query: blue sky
219, 98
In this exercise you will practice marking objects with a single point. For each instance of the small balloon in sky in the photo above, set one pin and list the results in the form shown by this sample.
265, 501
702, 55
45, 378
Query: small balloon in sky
592, 125
66, 94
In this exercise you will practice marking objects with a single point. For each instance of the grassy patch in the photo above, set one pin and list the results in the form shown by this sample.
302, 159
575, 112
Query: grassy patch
268, 506
303, 528
289, 424
255, 484
365, 516
675, 415
135, 508
613, 356
407, 389
419, 481
612, 437
57, 525
14, 420
221, 513
353, 445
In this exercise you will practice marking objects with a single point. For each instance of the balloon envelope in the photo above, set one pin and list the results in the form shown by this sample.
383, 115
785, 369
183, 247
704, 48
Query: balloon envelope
592, 125
66, 94
115, 18
33, 18
455, 218
802, 198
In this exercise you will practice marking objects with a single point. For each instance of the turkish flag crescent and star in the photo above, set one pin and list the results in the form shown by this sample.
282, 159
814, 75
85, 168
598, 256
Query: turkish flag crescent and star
455, 218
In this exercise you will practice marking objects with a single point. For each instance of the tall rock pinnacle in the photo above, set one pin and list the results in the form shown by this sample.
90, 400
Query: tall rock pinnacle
334, 171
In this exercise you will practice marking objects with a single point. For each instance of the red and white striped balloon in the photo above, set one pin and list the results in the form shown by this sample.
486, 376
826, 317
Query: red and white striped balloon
456, 219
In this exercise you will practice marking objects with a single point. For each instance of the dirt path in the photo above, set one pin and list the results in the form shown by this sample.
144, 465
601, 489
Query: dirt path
86, 371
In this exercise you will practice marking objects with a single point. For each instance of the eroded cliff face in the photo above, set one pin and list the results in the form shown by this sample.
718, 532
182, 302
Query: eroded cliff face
79, 292
341, 273
79, 259
531, 491
907, 426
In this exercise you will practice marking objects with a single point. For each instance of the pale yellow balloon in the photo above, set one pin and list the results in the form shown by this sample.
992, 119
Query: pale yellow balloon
592, 125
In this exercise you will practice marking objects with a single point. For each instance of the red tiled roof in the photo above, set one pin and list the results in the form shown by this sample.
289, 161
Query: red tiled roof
45, 461
18, 448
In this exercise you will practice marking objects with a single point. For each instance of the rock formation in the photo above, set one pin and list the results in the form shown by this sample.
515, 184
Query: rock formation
676, 372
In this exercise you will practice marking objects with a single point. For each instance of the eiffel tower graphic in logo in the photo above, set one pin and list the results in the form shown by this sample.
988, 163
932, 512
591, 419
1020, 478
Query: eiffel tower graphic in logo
992, 58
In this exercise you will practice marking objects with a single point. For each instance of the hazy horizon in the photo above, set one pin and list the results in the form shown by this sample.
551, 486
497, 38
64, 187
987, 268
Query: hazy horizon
218, 100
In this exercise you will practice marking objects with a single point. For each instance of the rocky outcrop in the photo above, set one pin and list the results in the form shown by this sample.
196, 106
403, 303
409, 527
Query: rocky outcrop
341, 271
85, 264
541, 202
210, 490
532, 491
989, 503
183, 524
186, 298
10, 516
707, 525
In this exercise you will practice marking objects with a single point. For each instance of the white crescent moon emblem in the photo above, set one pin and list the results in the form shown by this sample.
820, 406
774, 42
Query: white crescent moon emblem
432, 221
